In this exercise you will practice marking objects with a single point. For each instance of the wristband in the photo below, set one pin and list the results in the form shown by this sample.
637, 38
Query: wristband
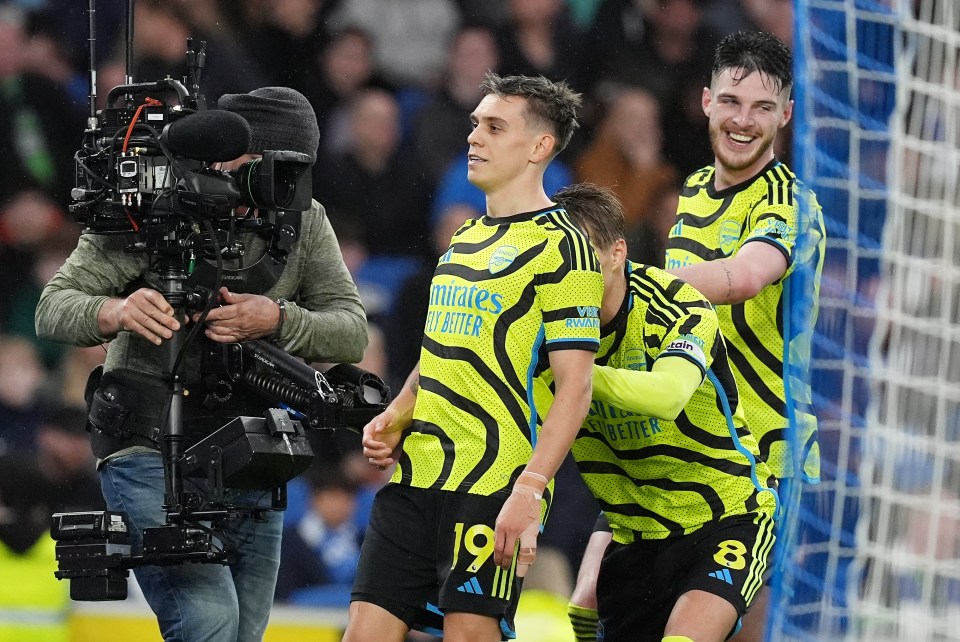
542, 478
283, 317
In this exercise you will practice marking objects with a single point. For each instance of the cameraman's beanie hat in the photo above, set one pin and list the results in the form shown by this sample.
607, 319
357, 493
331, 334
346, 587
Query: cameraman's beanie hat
280, 118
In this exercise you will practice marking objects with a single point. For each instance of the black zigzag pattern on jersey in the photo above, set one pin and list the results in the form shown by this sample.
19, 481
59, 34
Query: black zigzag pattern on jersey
648, 288
675, 452
808, 446
635, 510
722, 443
615, 329
462, 247
470, 222
720, 366
780, 185
474, 275
709, 495
582, 255
501, 329
696, 181
701, 220
448, 445
756, 382
749, 337
490, 426
769, 438
493, 379
695, 247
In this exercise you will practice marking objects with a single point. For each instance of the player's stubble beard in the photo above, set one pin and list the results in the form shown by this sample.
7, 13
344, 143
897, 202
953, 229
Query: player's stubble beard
736, 162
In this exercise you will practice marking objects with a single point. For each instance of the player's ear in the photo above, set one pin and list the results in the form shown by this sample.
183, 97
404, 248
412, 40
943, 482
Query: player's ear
543, 148
619, 251
705, 100
787, 113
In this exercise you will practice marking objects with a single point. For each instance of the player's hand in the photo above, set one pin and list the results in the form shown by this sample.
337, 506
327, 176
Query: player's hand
518, 524
145, 312
382, 436
241, 317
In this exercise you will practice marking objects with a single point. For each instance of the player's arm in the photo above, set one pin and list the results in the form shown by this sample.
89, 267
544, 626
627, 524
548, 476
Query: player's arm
662, 392
383, 433
519, 518
738, 278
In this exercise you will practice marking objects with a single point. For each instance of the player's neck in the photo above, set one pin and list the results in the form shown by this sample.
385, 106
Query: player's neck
725, 177
517, 197
612, 300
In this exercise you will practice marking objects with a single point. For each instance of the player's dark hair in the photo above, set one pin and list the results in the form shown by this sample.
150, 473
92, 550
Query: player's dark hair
596, 210
755, 51
549, 103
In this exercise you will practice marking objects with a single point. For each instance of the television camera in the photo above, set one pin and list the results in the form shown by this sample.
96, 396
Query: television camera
148, 169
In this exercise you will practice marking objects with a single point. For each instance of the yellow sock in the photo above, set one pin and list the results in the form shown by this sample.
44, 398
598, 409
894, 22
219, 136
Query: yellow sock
584, 622
677, 638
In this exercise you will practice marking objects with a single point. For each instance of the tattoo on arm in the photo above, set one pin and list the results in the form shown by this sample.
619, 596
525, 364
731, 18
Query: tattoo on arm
729, 281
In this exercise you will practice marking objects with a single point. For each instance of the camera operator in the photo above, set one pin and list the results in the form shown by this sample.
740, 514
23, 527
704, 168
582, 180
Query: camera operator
308, 306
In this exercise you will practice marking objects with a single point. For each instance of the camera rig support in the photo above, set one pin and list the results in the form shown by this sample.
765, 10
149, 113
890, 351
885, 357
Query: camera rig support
93, 549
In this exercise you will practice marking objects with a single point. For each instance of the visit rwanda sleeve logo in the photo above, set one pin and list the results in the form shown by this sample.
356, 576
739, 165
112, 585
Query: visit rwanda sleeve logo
502, 257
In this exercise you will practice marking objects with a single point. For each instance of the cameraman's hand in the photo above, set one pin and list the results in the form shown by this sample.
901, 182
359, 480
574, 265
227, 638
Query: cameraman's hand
241, 317
145, 312
382, 436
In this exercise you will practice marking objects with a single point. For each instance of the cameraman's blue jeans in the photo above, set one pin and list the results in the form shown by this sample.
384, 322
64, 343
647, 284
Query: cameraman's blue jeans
199, 602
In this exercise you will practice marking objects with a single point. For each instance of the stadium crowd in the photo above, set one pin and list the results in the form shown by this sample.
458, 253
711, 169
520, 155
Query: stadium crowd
393, 83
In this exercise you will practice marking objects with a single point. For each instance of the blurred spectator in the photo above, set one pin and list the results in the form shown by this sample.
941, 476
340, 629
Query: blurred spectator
49, 255
373, 185
583, 13
34, 605
441, 126
339, 72
45, 54
726, 16
67, 23
160, 45
626, 155
284, 37
488, 12
411, 36
66, 462
649, 242
369, 480
539, 39
374, 295
319, 554
28, 218
68, 382
375, 356
21, 376
666, 47
773, 16
40, 125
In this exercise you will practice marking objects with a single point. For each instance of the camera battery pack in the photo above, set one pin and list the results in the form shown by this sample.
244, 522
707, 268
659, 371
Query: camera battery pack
253, 453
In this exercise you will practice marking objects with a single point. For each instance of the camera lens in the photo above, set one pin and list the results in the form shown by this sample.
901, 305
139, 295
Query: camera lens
279, 180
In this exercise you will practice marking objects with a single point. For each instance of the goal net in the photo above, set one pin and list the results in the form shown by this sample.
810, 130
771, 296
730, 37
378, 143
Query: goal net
875, 550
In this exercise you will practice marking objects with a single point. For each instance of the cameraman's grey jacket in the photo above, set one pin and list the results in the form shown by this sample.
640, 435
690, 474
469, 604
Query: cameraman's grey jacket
325, 320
